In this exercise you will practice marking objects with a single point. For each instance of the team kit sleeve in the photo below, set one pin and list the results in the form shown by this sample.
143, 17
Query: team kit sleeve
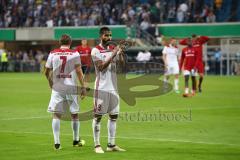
49, 61
96, 55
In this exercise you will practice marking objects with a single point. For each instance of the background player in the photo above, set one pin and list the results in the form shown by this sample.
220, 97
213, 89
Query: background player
106, 98
198, 43
64, 66
171, 62
85, 54
188, 63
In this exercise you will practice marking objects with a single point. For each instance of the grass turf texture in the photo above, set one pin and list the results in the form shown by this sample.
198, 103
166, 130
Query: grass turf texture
212, 131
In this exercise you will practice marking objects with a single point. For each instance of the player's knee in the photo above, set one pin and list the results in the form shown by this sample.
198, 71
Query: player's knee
74, 116
113, 117
56, 116
98, 118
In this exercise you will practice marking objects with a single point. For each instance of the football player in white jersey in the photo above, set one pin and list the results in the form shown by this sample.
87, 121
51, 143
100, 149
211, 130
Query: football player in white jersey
63, 68
106, 98
171, 62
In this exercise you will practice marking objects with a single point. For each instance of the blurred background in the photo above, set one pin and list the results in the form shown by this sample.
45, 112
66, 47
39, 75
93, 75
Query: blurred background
30, 29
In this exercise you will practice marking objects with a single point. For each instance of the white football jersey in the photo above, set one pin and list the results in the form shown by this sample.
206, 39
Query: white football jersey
172, 54
106, 80
63, 62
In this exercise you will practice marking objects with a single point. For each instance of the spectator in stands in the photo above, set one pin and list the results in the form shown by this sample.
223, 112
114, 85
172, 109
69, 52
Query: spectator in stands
161, 7
77, 12
204, 14
145, 24
211, 18
180, 15
171, 15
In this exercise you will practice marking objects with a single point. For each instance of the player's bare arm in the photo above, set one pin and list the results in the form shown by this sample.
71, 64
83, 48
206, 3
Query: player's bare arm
165, 59
121, 58
101, 65
48, 74
81, 80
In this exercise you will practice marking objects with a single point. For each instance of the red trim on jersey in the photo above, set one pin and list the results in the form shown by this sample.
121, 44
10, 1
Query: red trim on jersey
100, 48
103, 50
62, 50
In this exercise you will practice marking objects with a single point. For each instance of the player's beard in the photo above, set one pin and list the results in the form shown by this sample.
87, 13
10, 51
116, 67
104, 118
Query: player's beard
104, 42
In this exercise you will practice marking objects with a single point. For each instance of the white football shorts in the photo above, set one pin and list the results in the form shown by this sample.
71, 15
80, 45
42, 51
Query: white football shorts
106, 102
190, 73
61, 103
172, 70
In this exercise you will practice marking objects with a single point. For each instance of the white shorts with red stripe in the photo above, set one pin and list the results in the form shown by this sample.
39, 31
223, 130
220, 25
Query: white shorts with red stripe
106, 102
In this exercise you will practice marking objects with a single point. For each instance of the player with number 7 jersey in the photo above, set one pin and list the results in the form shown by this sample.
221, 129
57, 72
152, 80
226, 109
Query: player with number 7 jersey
63, 69
63, 61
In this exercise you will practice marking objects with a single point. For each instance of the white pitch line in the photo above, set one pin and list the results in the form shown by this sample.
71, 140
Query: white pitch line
136, 138
24, 118
143, 111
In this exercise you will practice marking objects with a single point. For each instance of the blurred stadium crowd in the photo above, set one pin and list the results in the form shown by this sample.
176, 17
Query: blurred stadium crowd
49, 13
24, 61
34, 61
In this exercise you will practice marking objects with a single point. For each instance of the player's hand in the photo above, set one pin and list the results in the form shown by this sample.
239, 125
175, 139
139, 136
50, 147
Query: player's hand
83, 92
115, 51
120, 51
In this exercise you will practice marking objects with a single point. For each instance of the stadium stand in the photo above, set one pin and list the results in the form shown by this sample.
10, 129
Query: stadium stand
146, 22
49, 13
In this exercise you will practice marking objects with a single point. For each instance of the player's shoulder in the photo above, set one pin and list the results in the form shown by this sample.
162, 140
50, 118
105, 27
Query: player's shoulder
98, 48
95, 50
165, 48
56, 50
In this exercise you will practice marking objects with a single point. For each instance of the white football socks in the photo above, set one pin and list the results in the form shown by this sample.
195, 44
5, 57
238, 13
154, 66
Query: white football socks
112, 125
176, 84
96, 131
186, 90
56, 130
75, 129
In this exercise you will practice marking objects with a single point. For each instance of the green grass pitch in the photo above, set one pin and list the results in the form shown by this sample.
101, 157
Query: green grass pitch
207, 126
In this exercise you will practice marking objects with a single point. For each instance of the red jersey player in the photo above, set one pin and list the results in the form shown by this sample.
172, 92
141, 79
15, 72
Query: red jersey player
85, 54
188, 62
197, 43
